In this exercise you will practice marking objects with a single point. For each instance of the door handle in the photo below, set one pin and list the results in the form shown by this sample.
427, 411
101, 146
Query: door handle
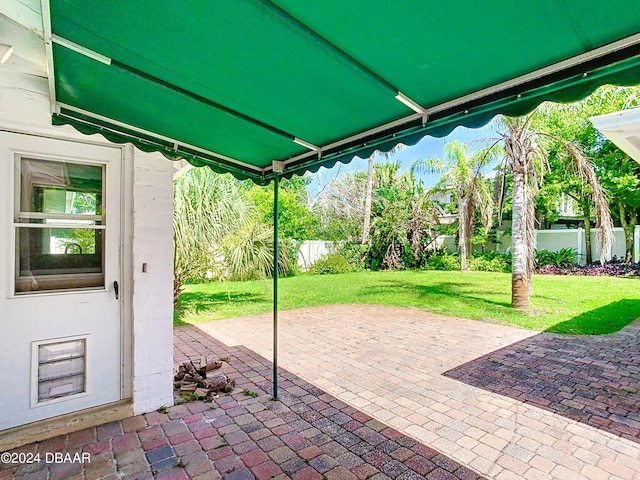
115, 288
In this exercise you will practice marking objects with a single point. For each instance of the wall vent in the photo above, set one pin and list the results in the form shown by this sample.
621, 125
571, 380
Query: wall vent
61, 369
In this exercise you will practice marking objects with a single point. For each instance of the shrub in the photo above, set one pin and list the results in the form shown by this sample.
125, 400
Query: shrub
445, 261
562, 258
551, 270
491, 254
611, 269
288, 266
565, 257
356, 254
491, 263
331, 263
482, 262
543, 258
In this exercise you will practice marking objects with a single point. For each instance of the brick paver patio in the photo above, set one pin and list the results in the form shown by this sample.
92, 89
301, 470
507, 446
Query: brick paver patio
398, 366
595, 380
379, 392
307, 434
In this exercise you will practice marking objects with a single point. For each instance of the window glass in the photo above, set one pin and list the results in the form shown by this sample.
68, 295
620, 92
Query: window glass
59, 226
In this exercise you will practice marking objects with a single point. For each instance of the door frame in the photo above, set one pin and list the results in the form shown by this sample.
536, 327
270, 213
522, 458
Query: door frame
124, 246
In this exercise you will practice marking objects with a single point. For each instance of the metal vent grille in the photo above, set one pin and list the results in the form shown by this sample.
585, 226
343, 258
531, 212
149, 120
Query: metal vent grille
61, 369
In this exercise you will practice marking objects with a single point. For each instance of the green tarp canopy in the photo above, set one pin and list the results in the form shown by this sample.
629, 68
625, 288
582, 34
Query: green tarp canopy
239, 84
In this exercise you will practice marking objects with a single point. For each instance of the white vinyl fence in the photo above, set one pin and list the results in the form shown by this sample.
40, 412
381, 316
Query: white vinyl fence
557, 239
553, 240
312, 250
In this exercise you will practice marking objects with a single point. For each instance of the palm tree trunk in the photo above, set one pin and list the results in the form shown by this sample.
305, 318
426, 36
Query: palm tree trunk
366, 227
462, 233
519, 247
586, 208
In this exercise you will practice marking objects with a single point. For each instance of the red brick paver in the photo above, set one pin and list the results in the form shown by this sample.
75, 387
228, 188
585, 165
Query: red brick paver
376, 392
589, 379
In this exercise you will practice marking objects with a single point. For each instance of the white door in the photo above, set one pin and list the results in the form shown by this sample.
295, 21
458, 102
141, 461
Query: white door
60, 325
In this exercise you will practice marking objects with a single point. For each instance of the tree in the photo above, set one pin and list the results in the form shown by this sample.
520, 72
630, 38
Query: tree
216, 231
621, 176
462, 173
366, 227
340, 207
618, 174
526, 161
401, 219
296, 221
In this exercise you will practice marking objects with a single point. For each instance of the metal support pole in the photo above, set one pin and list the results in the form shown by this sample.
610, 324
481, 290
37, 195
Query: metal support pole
276, 186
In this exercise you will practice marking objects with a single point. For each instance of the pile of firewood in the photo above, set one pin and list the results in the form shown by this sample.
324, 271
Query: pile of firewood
200, 380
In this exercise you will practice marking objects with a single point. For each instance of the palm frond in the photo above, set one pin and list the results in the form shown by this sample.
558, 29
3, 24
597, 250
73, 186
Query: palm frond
585, 170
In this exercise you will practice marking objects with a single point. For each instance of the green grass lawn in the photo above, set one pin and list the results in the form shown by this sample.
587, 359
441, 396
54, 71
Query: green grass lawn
562, 304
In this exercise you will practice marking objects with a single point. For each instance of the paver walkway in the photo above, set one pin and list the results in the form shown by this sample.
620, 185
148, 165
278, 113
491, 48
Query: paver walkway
450, 383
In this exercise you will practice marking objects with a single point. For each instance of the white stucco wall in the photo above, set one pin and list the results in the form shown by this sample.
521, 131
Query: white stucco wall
152, 296
147, 238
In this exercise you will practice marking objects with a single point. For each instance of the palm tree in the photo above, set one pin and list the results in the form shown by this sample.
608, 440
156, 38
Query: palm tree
463, 174
401, 218
523, 155
526, 159
216, 231
366, 226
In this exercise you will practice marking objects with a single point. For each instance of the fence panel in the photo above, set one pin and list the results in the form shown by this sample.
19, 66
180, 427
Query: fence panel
553, 240
557, 239
618, 250
447, 242
312, 250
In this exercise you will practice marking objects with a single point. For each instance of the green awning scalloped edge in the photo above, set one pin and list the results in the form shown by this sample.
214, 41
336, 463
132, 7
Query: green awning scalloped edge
90, 126
623, 73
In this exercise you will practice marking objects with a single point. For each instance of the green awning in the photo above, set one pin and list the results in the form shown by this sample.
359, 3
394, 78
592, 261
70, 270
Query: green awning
239, 84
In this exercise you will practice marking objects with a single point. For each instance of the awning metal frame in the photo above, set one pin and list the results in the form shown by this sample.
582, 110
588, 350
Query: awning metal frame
511, 87
224, 160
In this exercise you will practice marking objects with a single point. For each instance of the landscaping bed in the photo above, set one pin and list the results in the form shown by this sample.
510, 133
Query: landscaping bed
611, 269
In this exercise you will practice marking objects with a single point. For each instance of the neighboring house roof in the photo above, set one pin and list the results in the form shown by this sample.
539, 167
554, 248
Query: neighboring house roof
623, 129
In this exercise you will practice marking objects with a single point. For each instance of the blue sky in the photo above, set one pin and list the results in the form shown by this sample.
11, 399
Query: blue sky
428, 147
